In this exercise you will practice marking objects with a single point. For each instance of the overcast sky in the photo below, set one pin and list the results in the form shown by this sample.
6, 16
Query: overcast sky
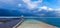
36, 7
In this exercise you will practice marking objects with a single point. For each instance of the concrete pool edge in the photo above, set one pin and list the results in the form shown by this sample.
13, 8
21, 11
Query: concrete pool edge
18, 23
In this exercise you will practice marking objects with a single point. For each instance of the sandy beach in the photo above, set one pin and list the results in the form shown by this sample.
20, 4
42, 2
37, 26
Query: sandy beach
35, 24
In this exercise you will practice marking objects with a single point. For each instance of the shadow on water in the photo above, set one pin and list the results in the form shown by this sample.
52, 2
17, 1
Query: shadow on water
9, 22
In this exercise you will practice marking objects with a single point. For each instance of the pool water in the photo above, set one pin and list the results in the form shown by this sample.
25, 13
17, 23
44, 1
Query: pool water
9, 22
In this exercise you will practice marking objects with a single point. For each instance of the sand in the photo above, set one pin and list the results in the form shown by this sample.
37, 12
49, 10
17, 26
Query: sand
35, 24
